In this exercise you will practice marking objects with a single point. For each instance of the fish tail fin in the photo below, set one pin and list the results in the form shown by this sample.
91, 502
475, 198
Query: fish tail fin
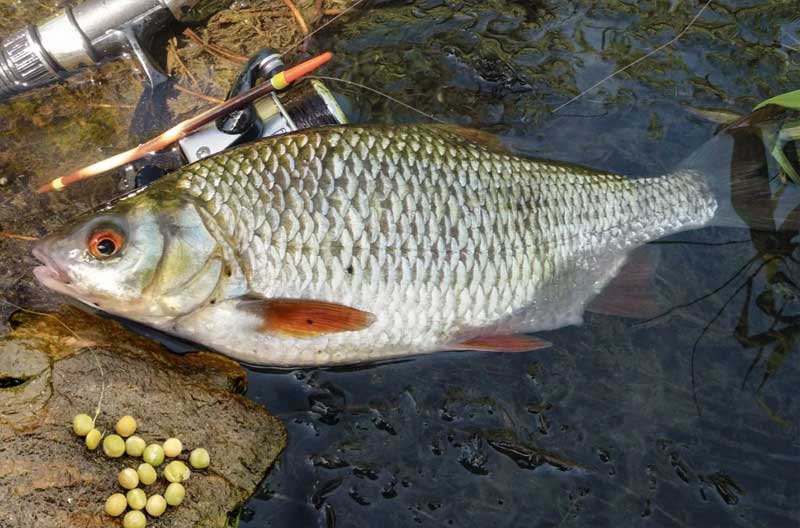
736, 169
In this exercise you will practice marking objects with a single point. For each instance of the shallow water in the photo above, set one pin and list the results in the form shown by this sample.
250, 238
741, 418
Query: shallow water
603, 428
606, 427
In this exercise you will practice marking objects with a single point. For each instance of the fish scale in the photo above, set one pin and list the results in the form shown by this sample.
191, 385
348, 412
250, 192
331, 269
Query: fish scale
437, 236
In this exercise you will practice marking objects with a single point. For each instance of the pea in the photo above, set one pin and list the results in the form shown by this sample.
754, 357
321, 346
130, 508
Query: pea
134, 519
176, 471
153, 455
113, 446
82, 424
156, 505
134, 446
93, 439
174, 494
172, 447
147, 474
126, 426
199, 458
116, 504
136, 499
128, 478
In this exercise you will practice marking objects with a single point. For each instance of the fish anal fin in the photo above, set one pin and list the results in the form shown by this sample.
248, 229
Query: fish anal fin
502, 343
631, 293
306, 318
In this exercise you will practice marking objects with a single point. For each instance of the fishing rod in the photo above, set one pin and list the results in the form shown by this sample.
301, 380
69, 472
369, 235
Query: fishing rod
277, 81
85, 36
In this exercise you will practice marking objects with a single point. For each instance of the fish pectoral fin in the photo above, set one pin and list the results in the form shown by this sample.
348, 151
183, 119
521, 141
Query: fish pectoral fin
631, 293
307, 318
502, 343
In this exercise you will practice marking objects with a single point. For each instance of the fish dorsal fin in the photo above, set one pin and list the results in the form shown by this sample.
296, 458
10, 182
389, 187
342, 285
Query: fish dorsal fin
306, 318
501, 343
479, 137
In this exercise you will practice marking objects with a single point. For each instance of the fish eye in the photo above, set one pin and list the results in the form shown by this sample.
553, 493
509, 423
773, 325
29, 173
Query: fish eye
105, 243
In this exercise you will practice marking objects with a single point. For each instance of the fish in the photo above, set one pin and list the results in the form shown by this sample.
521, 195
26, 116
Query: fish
353, 244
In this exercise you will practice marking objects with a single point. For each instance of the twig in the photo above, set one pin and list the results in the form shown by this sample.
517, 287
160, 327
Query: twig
323, 26
204, 97
261, 11
214, 49
297, 15
637, 61
14, 236
107, 105
174, 45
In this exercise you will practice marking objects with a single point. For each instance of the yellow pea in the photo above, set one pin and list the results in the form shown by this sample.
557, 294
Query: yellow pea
82, 424
116, 504
134, 519
136, 499
147, 474
176, 471
128, 478
199, 458
153, 455
174, 494
172, 447
156, 505
134, 446
93, 439
113, 446
126, 426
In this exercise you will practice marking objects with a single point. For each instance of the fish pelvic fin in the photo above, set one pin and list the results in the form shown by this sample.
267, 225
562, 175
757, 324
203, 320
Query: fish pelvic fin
631, 293
501, 343
306, 318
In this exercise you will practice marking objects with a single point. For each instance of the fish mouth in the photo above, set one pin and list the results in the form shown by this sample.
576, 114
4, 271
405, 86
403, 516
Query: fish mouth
49, 273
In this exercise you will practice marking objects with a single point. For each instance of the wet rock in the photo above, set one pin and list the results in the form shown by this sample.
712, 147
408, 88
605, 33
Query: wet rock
51, 371
530, 457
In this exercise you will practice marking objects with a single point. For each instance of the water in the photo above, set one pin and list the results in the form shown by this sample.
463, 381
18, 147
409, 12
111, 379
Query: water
606, 428
602, 429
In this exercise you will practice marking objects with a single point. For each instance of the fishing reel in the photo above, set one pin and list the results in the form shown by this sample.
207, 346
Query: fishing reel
304, 105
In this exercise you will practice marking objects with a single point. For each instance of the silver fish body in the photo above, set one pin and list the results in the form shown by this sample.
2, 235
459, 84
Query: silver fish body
439, 237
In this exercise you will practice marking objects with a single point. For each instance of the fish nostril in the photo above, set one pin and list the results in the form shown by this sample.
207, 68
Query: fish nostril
38, 254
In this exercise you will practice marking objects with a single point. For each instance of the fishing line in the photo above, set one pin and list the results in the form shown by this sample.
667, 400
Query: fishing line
637, 61
378, 92
323, 26
79, 338
353, 83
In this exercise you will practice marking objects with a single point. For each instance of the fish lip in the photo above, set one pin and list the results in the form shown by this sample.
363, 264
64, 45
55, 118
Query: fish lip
49, 271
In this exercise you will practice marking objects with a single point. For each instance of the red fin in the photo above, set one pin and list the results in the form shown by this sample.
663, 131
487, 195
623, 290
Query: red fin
309, 318
502, 343
631, 292
487, 139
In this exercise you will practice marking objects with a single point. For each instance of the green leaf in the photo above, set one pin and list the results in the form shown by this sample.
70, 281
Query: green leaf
789, 100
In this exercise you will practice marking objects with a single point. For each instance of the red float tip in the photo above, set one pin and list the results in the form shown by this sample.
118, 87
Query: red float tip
304, 68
